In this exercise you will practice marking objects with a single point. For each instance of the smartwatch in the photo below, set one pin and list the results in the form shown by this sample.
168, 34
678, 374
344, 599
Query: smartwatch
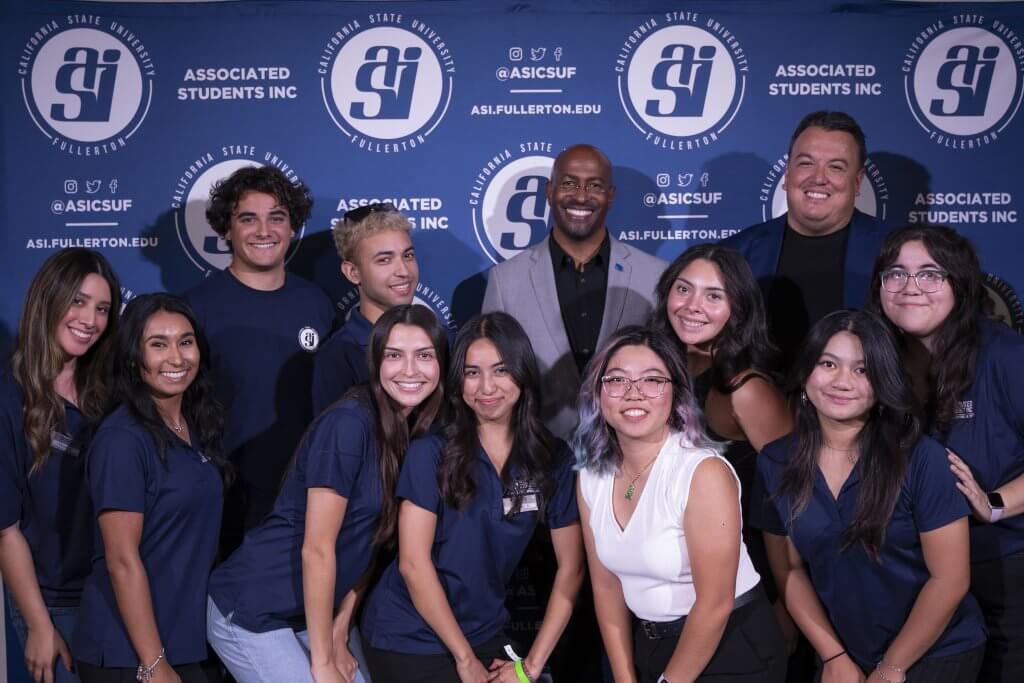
995, 501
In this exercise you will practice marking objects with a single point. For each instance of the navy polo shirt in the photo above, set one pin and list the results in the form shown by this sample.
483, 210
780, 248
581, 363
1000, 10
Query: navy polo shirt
53, 504
180, 500
261, 583
988, 432
341, 361
867, 601
261, 347
475, 552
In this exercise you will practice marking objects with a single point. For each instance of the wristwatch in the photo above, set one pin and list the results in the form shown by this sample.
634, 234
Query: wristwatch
995, 501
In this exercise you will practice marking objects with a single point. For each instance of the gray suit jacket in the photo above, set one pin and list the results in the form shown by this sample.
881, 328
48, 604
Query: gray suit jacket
524, 287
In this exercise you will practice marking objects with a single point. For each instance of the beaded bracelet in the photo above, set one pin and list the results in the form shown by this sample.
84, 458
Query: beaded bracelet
145, 673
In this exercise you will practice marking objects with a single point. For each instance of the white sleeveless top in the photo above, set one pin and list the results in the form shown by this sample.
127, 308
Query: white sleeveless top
650, 556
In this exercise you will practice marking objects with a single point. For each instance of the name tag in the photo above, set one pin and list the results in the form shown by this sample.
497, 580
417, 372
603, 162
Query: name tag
63, 443
529, 503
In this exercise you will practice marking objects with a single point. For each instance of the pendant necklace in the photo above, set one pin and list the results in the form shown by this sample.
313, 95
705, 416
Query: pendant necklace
631, 489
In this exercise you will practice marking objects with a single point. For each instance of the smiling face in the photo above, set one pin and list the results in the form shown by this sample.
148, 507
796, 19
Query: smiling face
409, 369
580, 192
822, 180
697, 305
170, 354
86, 318
633, 416
260, 233
384, 268
839, 387
919, 314
487, 385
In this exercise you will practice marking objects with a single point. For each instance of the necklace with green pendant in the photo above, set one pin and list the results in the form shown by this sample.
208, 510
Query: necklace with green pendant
631, 488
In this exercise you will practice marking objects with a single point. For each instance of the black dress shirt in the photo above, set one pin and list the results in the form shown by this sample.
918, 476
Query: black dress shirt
581, 291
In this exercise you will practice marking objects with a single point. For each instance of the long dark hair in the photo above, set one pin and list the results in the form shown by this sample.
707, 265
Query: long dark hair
957, 341
884, 443
198, 405
38, 358
533, 447
595, 444
393, 430
743, 344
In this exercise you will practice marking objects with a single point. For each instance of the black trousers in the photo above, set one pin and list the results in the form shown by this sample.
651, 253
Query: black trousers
751, 649
998, 586
189, 673
397, 667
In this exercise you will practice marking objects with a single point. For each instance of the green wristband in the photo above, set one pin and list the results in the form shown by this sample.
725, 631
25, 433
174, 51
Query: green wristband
521, 672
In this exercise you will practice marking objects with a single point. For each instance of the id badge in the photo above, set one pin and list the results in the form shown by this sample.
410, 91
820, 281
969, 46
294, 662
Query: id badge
529, 503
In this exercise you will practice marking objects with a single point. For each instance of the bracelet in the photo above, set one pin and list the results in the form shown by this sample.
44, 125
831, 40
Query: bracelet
878, 670
835, 656
145, 673
662, 679
521, 672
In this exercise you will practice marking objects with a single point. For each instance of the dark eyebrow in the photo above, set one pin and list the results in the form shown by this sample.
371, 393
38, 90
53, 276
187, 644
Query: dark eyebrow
683, 279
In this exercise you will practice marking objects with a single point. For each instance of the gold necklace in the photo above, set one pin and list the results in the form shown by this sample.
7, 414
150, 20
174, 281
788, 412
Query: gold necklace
631, 488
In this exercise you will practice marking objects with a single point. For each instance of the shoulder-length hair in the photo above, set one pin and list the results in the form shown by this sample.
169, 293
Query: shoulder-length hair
394, 432
595, 444
743, 344
198, 405
958, 338
533, 447
884, 443
38, 357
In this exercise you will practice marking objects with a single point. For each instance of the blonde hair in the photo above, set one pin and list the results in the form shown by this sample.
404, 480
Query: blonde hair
348, 234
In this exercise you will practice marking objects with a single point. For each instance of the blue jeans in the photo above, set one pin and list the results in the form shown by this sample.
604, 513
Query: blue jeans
271, 657
63, 620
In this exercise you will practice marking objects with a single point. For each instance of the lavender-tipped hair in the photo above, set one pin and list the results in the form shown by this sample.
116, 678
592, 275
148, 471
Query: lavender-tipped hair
595, 444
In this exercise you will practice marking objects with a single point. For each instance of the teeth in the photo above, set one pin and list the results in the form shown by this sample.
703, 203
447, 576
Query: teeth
80, 334
635, 412
817, 195
409, 386
178, 374
263, 245
693, 323
404, 287
579, 213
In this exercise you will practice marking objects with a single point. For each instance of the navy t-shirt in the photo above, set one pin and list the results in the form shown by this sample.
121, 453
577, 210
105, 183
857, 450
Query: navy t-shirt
867, 601
988, 433
261, 583
52, 504
262, 346
341, 361
475, 551
180, 500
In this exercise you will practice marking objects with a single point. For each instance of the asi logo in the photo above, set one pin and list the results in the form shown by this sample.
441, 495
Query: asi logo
682, 85
964, 84
424, 296
510, 209
872, 199
205, 248
86, 88
1003, 303
386, 88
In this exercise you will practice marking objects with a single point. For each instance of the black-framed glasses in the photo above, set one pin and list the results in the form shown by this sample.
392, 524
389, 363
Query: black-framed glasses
928, 281
651, 386
359, 213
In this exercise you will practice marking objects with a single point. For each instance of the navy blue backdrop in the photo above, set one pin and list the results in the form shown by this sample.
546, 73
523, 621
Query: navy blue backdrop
118, 117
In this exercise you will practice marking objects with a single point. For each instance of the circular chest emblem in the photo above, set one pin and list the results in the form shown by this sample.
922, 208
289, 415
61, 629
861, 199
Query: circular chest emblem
309, 339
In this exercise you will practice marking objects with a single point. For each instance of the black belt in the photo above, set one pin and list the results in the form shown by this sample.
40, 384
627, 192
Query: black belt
655, 630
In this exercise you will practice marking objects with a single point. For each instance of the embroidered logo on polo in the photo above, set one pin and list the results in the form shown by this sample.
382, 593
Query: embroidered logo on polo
964, 410
309, 339
87, 83
872, 199
386, 81
207, 250
529, 492
964, 79
510, 210
681, 79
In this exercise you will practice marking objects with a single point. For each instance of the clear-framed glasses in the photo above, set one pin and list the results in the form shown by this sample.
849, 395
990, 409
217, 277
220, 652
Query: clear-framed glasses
651, 386
570, 186
928, 281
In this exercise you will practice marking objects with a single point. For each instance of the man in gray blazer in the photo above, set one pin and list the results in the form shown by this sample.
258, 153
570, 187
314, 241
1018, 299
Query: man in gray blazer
577, 286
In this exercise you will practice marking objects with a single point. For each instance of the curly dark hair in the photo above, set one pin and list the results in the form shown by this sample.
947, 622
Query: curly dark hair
956, 343
226, 194
199, 405
743, 344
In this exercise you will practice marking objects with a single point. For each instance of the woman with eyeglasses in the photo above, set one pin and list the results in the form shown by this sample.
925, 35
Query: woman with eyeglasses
678, 597
155, 470
281, 606
969, 373
470, 502
56, 383
864, 528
